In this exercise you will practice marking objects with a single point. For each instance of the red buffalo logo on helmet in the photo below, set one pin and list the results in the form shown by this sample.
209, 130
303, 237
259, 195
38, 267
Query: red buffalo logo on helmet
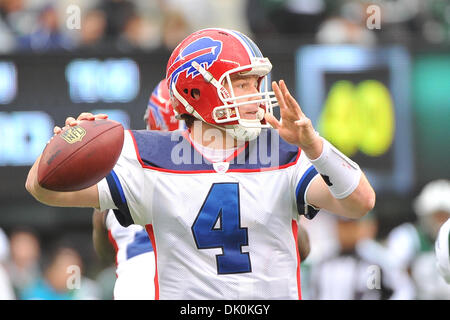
204, 51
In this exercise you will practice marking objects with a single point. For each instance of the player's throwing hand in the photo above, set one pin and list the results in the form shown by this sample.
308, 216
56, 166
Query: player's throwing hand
294, 127
70, 121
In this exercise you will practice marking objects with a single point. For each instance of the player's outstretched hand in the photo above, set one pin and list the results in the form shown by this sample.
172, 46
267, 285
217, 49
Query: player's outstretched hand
71, 121
294, 127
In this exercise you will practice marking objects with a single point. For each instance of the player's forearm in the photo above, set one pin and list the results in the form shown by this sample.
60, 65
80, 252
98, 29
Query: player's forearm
83, 198
43, 195
32, 184
360, 201
354, 206
304, 247
100, 239
343, 188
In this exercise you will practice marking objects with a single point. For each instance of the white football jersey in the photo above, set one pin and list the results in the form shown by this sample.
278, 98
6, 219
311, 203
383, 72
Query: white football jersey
128, 242
135, 260
219, 230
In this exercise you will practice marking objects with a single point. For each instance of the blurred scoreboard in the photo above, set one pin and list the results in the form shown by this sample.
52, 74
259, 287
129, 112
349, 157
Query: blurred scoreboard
359, 100
38, 92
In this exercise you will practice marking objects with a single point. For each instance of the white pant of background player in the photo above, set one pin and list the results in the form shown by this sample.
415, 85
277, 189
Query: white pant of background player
135, 261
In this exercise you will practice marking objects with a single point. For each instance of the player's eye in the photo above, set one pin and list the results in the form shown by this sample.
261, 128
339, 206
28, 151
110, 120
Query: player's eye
246, 84
242, 85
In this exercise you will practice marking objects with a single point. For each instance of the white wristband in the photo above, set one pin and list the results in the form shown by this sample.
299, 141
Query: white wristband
339, 172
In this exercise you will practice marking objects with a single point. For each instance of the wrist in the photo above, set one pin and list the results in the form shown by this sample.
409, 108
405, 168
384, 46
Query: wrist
314, 150
341, 174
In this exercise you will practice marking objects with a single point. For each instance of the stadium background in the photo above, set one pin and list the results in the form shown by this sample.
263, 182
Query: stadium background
49, 70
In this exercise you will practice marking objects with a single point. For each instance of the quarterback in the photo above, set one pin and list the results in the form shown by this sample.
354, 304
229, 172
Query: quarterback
221, 200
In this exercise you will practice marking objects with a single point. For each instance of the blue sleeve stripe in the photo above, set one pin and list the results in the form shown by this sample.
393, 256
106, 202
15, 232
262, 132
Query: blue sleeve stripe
304, 181
301, 188
123, 214
119, 187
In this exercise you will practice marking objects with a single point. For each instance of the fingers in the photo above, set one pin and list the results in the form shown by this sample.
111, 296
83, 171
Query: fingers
284, 112
86, 116
289, 108
71, 121
272, 121
101, 116
278, 95
304, 123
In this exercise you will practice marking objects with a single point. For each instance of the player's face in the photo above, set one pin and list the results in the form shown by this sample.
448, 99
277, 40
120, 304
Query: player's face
244, 85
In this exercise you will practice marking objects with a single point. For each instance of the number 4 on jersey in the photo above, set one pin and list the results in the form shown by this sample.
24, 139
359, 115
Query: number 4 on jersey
218, 225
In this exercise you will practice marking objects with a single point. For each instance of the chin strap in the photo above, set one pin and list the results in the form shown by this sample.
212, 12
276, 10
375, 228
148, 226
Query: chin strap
239, 132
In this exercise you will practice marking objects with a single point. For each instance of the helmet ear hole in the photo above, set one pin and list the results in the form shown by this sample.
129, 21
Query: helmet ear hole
186, 91
195, 93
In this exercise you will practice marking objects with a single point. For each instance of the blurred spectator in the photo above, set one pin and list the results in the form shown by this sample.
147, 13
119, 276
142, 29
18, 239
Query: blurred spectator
288, 17
138, 33
411, 246
118, 13
62, 279
358, 270
197, 14
346, 23
15, 16
92, 32
341, 31
23, 267
46, 35
180, 19
435, 16
11, 26
140, 24
106, 280
7, 36
175, 29
6, 288
230, 14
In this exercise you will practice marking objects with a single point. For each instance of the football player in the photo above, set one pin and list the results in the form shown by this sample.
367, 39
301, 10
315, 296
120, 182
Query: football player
159, 114
411, 246
442, 250
130, 247
221, 201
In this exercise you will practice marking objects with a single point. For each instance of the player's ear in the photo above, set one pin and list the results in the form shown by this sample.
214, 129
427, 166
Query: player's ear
195, 93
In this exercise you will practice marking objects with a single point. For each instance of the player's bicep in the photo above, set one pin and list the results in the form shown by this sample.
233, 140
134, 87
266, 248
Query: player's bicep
319, 196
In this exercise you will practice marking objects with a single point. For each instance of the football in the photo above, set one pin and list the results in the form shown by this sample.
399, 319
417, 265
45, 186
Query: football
80, 156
